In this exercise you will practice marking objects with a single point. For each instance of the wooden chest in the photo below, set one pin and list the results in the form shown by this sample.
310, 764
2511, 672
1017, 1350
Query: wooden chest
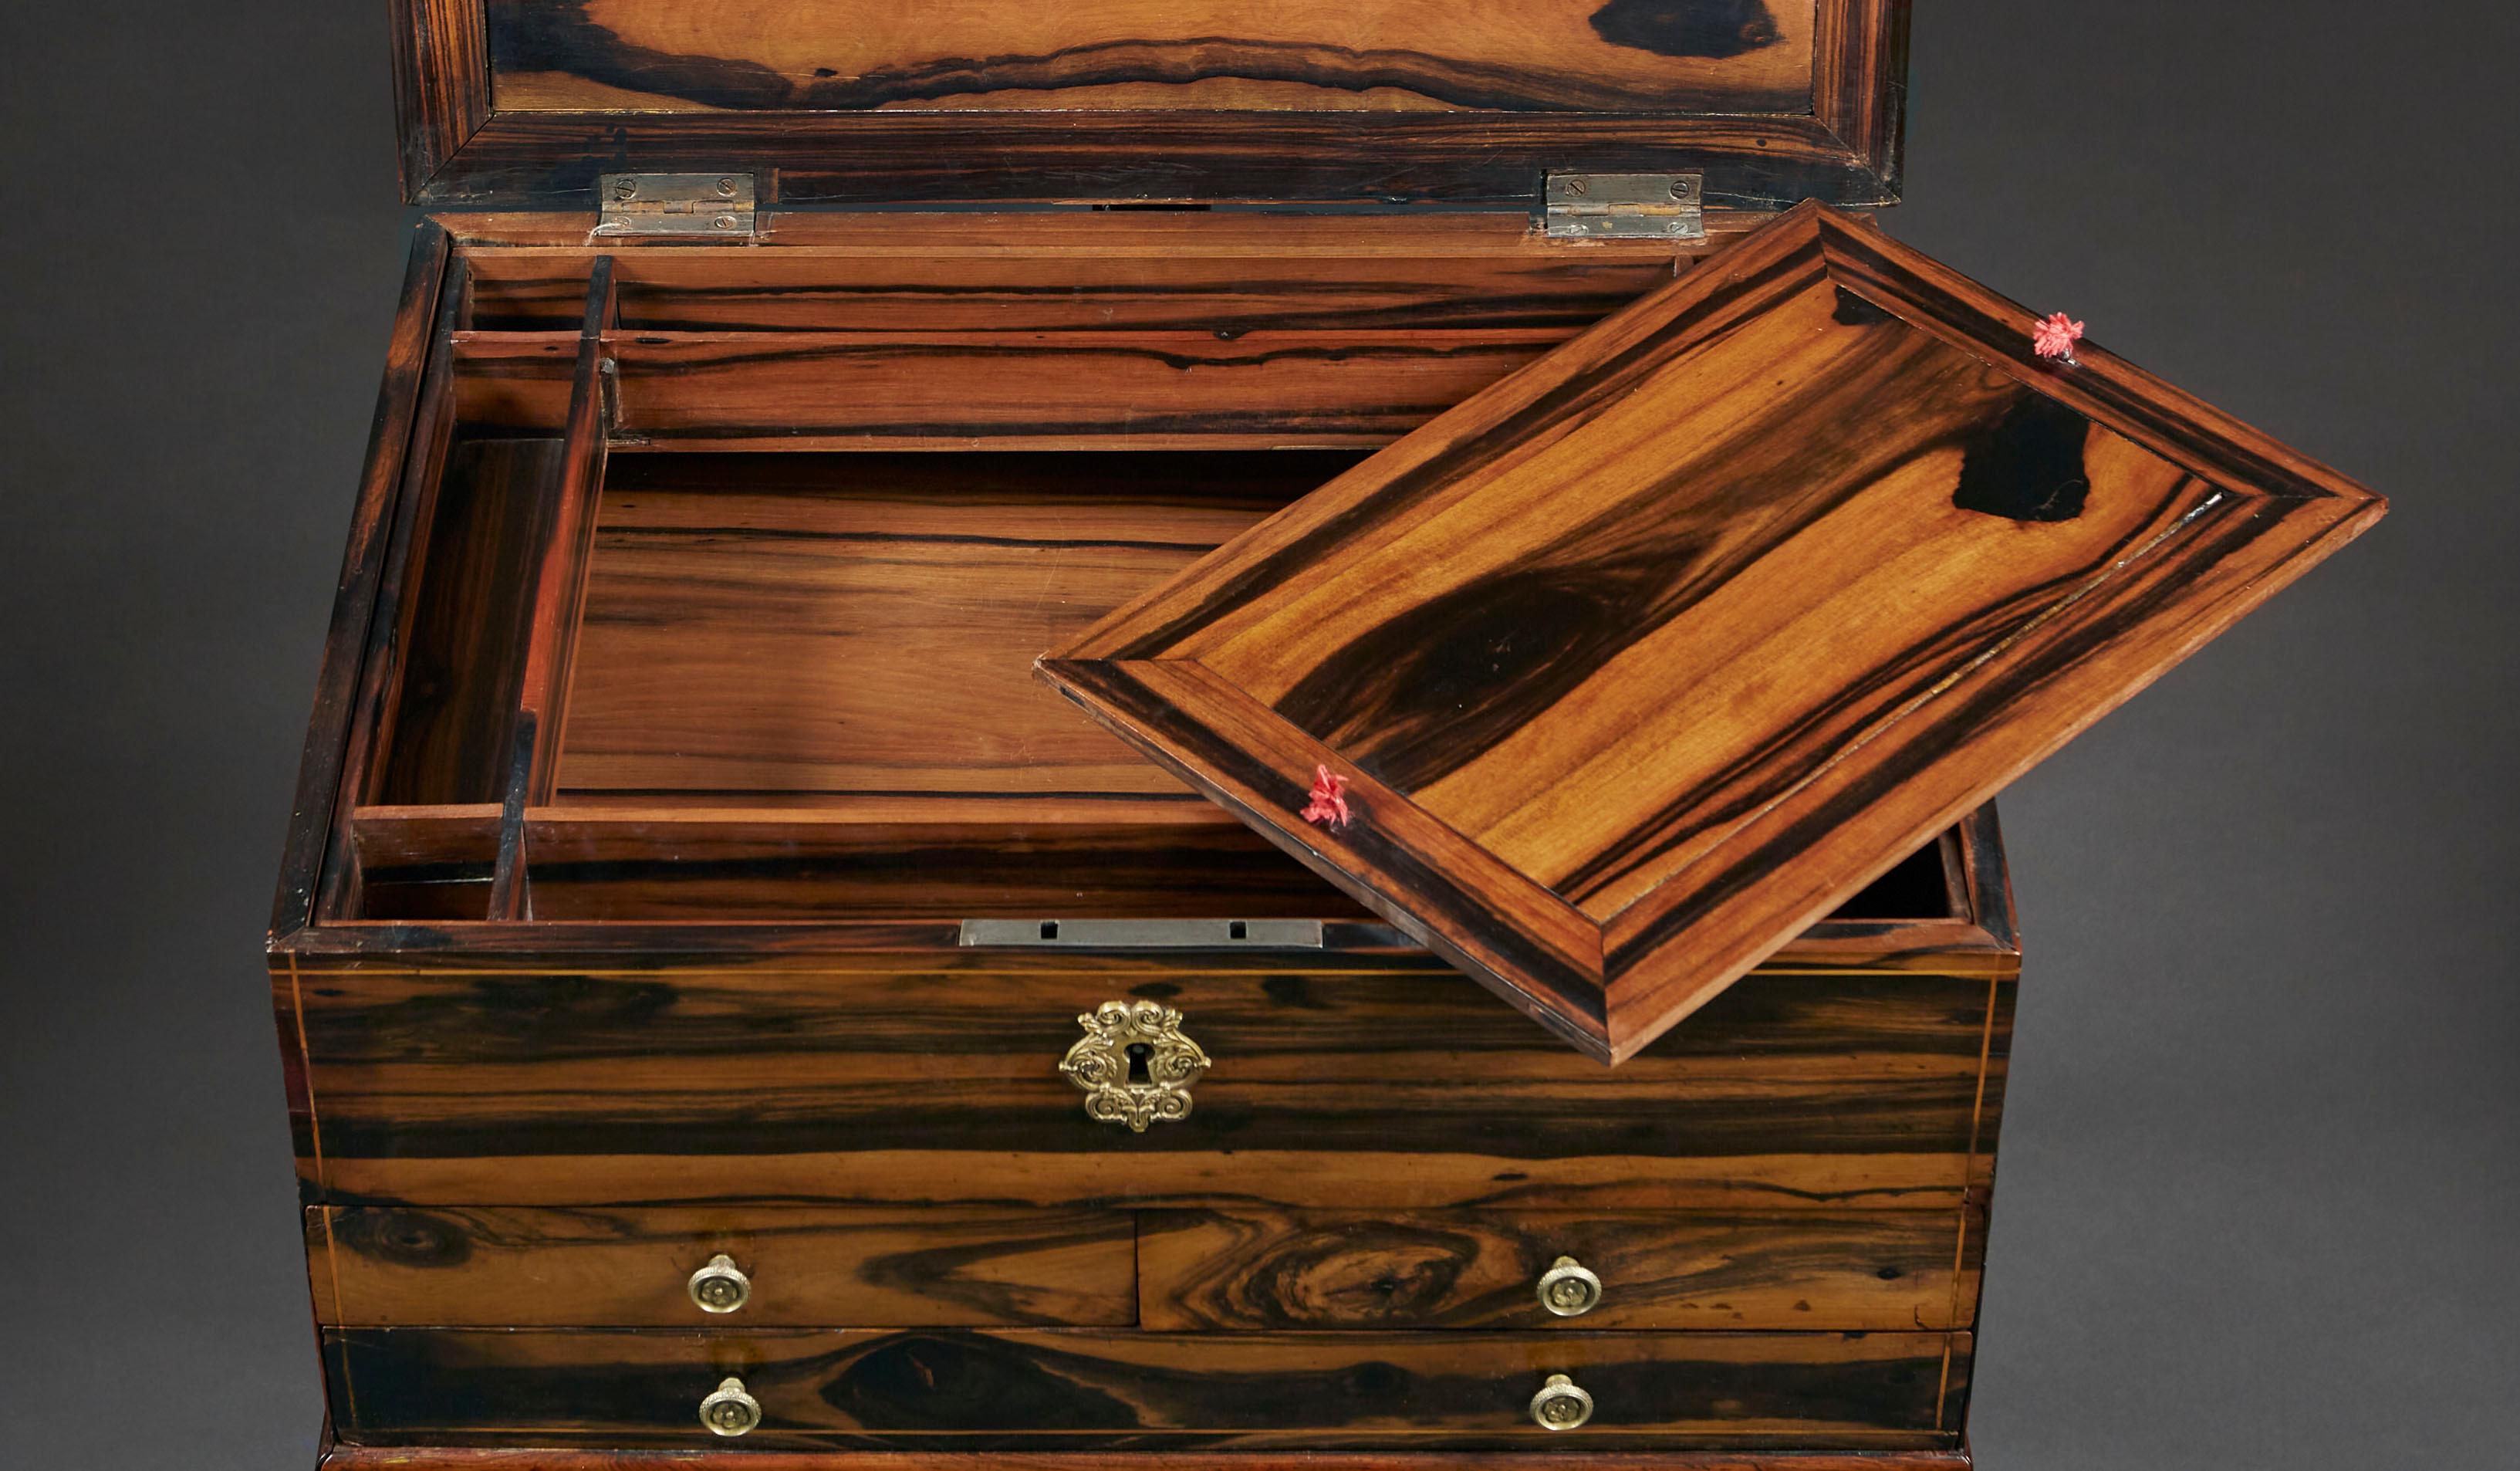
1488, 562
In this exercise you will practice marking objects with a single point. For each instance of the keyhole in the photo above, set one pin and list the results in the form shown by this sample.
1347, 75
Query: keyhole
1138, 1052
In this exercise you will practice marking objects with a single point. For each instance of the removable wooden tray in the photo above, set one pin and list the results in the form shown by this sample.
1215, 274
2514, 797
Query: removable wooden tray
1638, 662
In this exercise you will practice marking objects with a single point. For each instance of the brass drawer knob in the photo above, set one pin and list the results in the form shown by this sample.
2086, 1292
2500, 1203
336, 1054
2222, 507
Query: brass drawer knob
1569, 1289
1560, 1404
721, 1286
730, 1412
1134, 1065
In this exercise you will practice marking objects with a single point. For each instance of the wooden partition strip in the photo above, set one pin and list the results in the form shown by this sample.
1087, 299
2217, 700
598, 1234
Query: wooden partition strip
1078, 389
1221, 274
1135, 390
380, 682
568, 535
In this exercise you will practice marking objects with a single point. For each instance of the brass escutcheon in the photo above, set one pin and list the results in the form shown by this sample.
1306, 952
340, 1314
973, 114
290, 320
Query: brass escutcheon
1560, 1404
1569, 1289
730, 1411
720, 1287
1134, 1064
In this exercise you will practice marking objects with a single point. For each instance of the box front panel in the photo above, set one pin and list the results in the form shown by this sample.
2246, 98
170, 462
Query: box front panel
462, 1086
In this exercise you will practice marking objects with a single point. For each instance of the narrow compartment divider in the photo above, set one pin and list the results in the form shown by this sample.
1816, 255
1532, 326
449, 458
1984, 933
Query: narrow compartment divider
372, 720
567, 536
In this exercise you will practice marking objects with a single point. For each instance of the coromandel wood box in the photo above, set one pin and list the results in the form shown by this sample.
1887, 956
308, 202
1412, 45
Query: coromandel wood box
1180, 732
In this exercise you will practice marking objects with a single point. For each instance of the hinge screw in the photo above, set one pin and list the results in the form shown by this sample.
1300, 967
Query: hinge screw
1575, 185
724, 222
725, 188
1681, 189
625, 190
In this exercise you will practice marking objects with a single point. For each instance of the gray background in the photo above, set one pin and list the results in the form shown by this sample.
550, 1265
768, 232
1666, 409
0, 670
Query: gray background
2261, 1164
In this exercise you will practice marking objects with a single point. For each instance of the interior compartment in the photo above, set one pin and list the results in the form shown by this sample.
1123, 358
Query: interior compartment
725, 569
448, 731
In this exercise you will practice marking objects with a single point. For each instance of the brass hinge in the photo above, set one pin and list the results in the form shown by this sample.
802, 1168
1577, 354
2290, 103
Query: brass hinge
1627, 206
718, 205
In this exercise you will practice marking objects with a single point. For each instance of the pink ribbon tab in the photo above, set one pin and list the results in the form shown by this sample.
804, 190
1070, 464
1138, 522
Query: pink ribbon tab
1329, 805
2055, 337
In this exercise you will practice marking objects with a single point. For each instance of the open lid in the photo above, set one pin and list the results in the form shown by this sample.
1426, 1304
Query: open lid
1642, 661
867, 100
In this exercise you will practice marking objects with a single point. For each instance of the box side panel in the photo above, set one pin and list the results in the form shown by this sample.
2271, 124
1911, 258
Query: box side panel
345, 644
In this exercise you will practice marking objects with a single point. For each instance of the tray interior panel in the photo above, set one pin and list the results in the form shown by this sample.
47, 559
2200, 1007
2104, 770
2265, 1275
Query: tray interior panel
796, 625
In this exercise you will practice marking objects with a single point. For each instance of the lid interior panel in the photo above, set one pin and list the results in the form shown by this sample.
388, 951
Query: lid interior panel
1292, 101
1623, 55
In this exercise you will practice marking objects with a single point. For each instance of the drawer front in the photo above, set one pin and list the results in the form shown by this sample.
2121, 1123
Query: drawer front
1245, 1268
1079, 1389
1394, 1088
786, 1266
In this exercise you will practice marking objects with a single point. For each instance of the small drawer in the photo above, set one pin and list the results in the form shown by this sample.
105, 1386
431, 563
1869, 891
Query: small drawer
1254, 1268
1099, 1389
756, 1267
